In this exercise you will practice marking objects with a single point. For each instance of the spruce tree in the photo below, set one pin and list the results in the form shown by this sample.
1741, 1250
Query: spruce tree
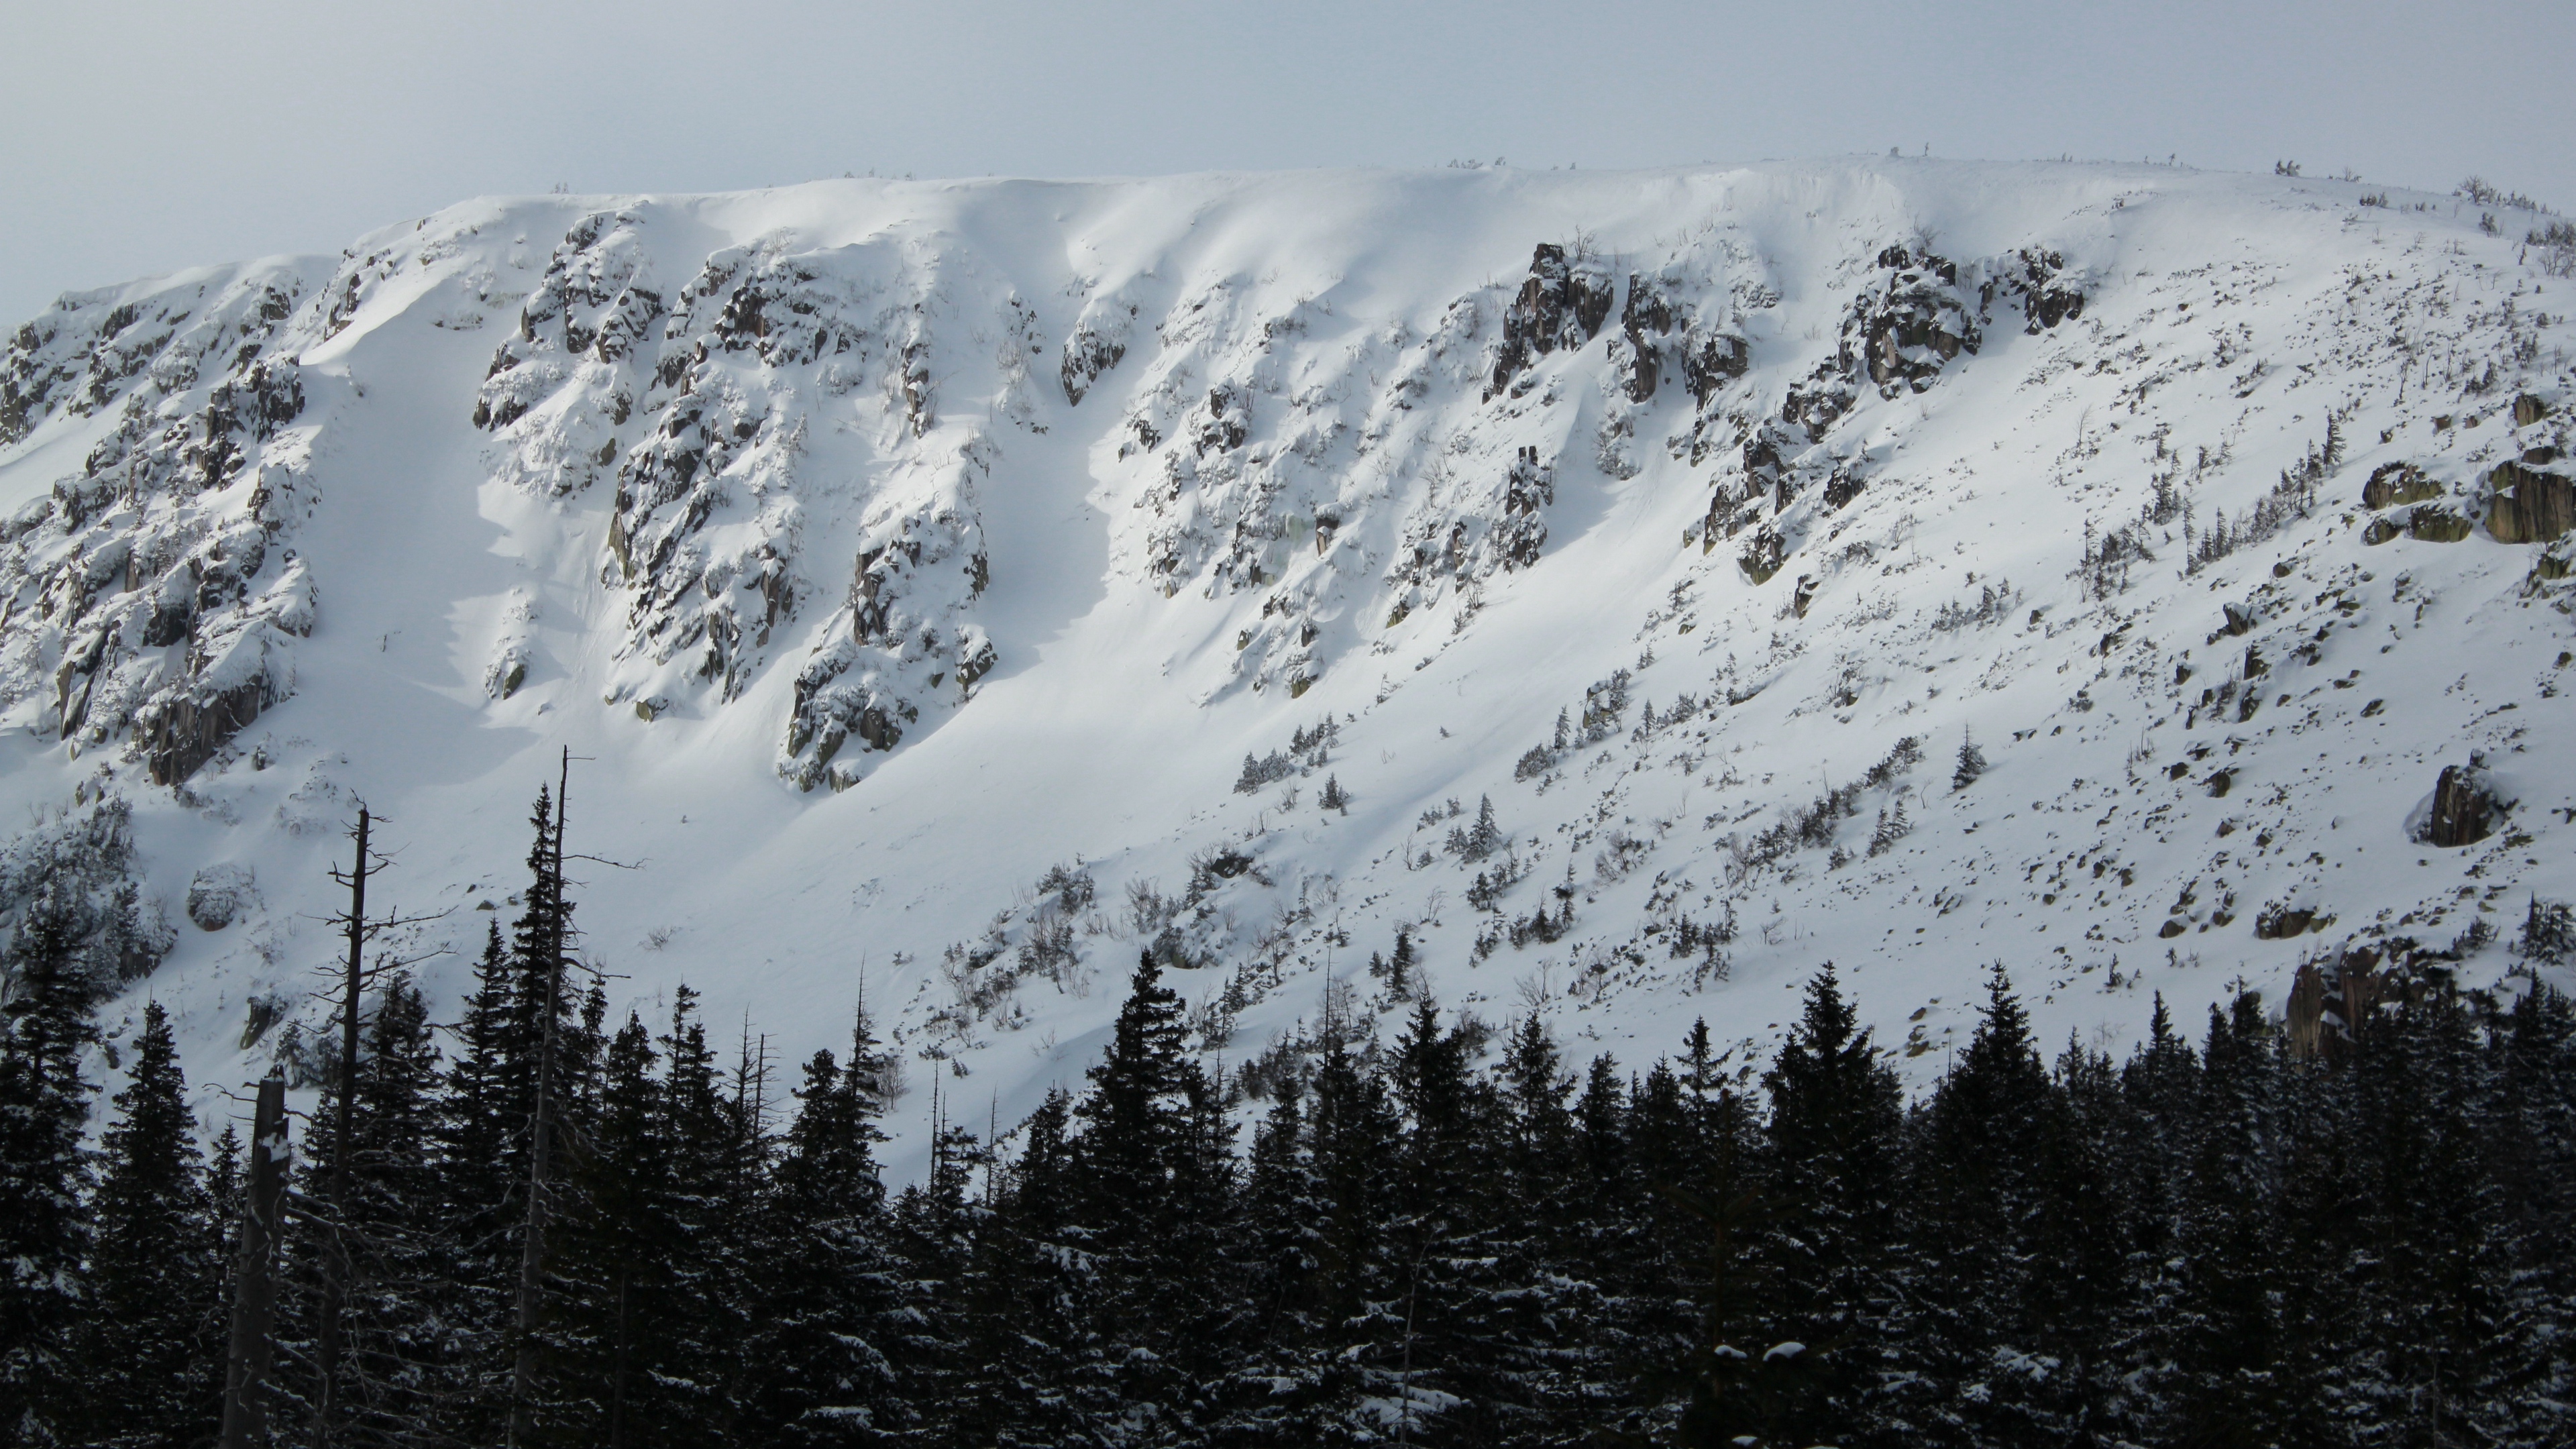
1158, 1180
404, 1368
1835, 1155
2226, 1335
1288, 1383
219, 1243
1135, 1145
821, 1365
2079, 1302
1524, 1372
613, 1250
480, 1139
1007, 1352
1443, 1182
44, 1225
1971, 763
155, 1275
1736, 1381
693, 1337
1974, 1188
1357, 1287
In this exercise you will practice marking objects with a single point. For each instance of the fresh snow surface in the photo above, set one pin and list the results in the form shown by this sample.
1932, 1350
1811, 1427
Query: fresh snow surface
779, 509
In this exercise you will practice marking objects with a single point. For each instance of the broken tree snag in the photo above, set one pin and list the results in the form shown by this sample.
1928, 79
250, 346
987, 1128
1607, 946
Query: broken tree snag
246, 1364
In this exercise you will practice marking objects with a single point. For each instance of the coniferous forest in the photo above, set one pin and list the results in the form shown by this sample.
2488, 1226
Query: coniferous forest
537, 1225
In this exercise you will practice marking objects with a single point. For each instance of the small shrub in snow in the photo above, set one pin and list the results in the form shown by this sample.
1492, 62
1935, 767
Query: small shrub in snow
1472, 844
2548, 932
1972, 763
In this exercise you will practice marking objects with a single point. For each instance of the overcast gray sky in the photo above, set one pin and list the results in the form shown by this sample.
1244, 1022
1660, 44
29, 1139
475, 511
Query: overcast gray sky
138, 136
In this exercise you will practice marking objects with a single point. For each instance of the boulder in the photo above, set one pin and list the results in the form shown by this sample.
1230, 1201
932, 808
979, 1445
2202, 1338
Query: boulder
2395, 483
2275, 922
220, 894
2462, 809
2429, 524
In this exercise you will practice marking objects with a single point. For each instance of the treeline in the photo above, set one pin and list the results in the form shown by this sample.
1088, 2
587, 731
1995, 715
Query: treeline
1440, 1236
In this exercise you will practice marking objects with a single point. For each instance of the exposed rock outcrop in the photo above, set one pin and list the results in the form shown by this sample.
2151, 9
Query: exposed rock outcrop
2395, 483
1563, 303
2528, 505
2462, 808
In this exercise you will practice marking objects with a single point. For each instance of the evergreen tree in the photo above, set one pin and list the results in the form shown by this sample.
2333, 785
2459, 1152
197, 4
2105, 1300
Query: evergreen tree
44, 1227
403, 1365
1737, 1383
155, 1278
477, 1132
645, 1320
1135, 1148
1974, 1190
1442, 1183
2078, 1301
2529, 1125
1334, 796
1325, 1319
1651, 1270
1158, 1180
2227, 1339
613, 1246
1400, 967
717, 1152
1012, 1356
820, 1363
1834, 1150
1971, 763
1288, 1385
1524, 1372
1487, 836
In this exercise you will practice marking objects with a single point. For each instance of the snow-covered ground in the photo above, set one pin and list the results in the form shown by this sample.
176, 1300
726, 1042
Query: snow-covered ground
877, 547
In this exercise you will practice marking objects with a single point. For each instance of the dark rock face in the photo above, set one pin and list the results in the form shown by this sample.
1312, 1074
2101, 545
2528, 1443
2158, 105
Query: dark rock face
1562, 304
1718, 359
2527, 505
2462, 809
1646, 312
2279, 921
1087, 354
2438, 525
1908, 325
2395, 483
180, 735
2038, 279
2528, 410
1229, 421
1763, 556
1522, 531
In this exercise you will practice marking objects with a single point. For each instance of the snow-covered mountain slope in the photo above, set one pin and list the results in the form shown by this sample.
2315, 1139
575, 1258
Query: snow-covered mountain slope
950, 590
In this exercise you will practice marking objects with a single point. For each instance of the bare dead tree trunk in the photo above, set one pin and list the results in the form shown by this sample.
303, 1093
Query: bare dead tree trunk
335, 1254
246, 1363
532, 1241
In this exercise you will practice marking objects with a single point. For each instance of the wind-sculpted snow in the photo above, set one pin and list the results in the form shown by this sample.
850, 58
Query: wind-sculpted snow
1611, 583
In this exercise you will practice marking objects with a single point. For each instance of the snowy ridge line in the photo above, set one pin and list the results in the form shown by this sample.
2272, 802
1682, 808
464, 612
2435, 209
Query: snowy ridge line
1560, 552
